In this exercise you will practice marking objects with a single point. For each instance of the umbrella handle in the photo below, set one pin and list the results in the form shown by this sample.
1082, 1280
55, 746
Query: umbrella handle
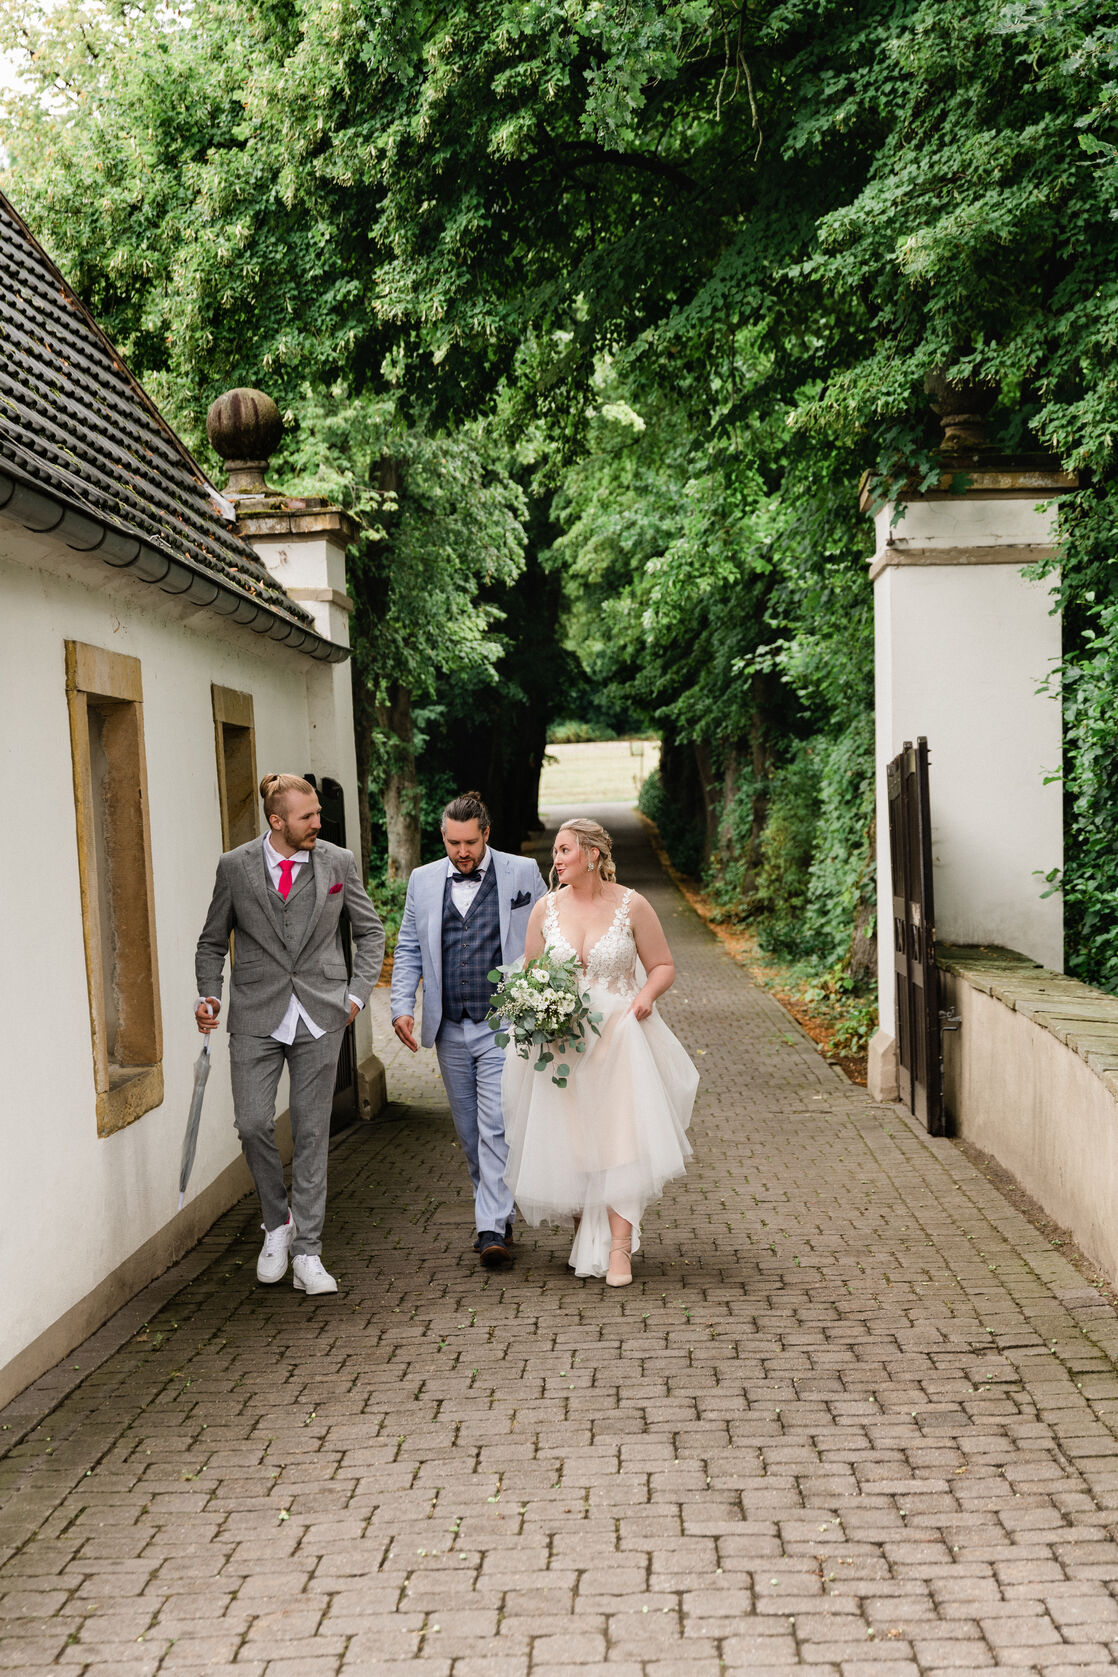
206, 1043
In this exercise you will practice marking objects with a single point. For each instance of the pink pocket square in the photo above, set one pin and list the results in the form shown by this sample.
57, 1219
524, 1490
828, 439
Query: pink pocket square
334, 888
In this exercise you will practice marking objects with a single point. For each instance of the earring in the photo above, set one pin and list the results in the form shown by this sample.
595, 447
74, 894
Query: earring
590, 866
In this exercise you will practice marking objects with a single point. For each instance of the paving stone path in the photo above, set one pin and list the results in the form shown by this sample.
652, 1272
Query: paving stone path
856, 1416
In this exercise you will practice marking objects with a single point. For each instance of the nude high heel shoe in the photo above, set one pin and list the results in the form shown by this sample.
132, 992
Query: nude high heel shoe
619, 1250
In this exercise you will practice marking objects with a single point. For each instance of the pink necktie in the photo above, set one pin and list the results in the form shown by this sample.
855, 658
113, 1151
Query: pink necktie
287, 868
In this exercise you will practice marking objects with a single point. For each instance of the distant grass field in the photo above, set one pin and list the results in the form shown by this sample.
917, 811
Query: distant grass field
603, 772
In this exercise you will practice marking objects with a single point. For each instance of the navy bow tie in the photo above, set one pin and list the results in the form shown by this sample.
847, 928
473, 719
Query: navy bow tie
466, 878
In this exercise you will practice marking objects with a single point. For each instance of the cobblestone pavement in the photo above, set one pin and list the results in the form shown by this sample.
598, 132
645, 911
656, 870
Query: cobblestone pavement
856, 1416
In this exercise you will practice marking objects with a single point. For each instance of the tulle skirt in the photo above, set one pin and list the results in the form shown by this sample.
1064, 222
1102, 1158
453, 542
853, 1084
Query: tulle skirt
611, 1139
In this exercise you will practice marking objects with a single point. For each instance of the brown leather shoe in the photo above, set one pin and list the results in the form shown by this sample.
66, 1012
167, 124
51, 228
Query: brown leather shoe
493, 1250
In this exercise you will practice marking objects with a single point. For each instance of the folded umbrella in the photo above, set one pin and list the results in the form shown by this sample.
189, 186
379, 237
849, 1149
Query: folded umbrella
194, 1117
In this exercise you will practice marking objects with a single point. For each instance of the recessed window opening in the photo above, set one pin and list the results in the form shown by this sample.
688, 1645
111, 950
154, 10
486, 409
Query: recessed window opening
236, 766
114, 859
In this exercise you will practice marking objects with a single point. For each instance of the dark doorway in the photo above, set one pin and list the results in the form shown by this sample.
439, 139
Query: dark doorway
345, 1110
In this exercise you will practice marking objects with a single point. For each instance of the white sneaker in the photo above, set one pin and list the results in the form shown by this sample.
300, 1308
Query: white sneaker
271, 1265
310, 1276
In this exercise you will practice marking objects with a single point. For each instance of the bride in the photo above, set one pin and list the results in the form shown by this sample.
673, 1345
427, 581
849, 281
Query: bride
603, 1147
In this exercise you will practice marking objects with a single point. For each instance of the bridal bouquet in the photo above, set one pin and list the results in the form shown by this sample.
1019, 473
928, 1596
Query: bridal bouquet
538, 1006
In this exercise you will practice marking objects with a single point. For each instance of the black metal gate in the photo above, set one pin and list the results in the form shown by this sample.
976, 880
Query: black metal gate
914, 937
344, 1111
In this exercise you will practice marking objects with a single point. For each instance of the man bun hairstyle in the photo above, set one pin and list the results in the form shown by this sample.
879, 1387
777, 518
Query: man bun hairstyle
590, 836
467, 806
274, 789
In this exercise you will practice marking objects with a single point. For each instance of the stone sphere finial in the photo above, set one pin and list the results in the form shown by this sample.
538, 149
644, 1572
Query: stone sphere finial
245, 428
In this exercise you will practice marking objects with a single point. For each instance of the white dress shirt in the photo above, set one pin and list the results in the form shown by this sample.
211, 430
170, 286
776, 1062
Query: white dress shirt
463, 892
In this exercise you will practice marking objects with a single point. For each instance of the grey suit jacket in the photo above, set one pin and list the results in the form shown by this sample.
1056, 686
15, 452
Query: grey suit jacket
419, 948
265, 971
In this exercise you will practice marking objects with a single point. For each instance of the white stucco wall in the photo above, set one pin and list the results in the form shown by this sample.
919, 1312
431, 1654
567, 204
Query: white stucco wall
76, 1206
961, 651
1019, 1092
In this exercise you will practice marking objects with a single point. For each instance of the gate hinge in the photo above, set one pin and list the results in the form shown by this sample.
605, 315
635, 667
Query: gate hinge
949, 1020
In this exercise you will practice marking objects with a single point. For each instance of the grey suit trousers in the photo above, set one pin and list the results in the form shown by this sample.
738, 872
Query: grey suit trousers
255, 1064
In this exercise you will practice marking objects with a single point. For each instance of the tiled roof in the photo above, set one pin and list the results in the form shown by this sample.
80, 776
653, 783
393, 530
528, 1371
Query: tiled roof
75, 422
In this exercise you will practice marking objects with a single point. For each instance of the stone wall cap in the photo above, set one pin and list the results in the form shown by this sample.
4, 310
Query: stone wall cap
987, 477
1080, 1016
291, 516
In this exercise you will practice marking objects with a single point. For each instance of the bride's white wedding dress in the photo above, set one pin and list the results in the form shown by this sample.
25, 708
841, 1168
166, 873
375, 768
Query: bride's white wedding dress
617, 1133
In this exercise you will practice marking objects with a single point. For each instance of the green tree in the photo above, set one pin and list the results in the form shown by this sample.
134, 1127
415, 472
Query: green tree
443, 540
770, 224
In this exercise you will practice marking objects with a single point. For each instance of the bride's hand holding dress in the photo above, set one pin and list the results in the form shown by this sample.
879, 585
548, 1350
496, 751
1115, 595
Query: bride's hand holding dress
653, 955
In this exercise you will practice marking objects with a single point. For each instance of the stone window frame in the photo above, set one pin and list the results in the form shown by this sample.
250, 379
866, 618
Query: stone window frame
234, 710
115, 874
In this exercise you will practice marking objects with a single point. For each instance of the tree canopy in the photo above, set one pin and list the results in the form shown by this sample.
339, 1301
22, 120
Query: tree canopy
677, 271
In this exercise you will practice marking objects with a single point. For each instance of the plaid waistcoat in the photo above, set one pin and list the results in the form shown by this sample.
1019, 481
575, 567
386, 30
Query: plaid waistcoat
471, 949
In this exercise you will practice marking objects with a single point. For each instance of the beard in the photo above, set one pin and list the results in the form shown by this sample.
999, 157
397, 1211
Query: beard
291, 838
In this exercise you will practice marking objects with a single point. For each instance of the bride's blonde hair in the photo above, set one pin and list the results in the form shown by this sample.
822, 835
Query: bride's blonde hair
590, 837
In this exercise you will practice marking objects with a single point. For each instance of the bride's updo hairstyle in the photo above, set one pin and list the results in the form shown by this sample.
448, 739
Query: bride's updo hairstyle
590, 837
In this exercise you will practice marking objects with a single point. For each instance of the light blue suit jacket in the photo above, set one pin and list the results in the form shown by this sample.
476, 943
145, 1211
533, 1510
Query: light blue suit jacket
419, 948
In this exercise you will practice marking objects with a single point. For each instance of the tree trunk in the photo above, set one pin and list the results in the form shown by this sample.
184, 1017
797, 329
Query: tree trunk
681, 820
731, 776
400, 791
711, 796
519, 741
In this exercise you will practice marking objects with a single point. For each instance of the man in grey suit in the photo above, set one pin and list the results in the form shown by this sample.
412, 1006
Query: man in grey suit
290, 1001
463, 917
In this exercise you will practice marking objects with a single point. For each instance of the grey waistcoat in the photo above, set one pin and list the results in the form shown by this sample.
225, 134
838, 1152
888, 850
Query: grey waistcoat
295, 913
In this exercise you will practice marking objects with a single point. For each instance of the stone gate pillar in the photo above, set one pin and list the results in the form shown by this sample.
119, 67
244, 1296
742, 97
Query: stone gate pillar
302, 541
964, 644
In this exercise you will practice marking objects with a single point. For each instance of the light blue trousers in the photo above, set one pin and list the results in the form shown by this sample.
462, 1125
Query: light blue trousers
471, 1065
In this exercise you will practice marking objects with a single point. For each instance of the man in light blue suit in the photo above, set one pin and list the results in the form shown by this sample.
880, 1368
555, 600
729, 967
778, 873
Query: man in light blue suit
462, 918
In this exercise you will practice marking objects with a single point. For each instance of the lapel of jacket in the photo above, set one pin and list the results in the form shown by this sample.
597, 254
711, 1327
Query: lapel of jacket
303, 876
502, 869
490, 886
430, 897
321, 887
256, 870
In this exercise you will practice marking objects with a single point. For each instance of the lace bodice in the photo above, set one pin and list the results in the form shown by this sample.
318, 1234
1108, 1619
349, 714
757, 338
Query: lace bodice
612, 960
